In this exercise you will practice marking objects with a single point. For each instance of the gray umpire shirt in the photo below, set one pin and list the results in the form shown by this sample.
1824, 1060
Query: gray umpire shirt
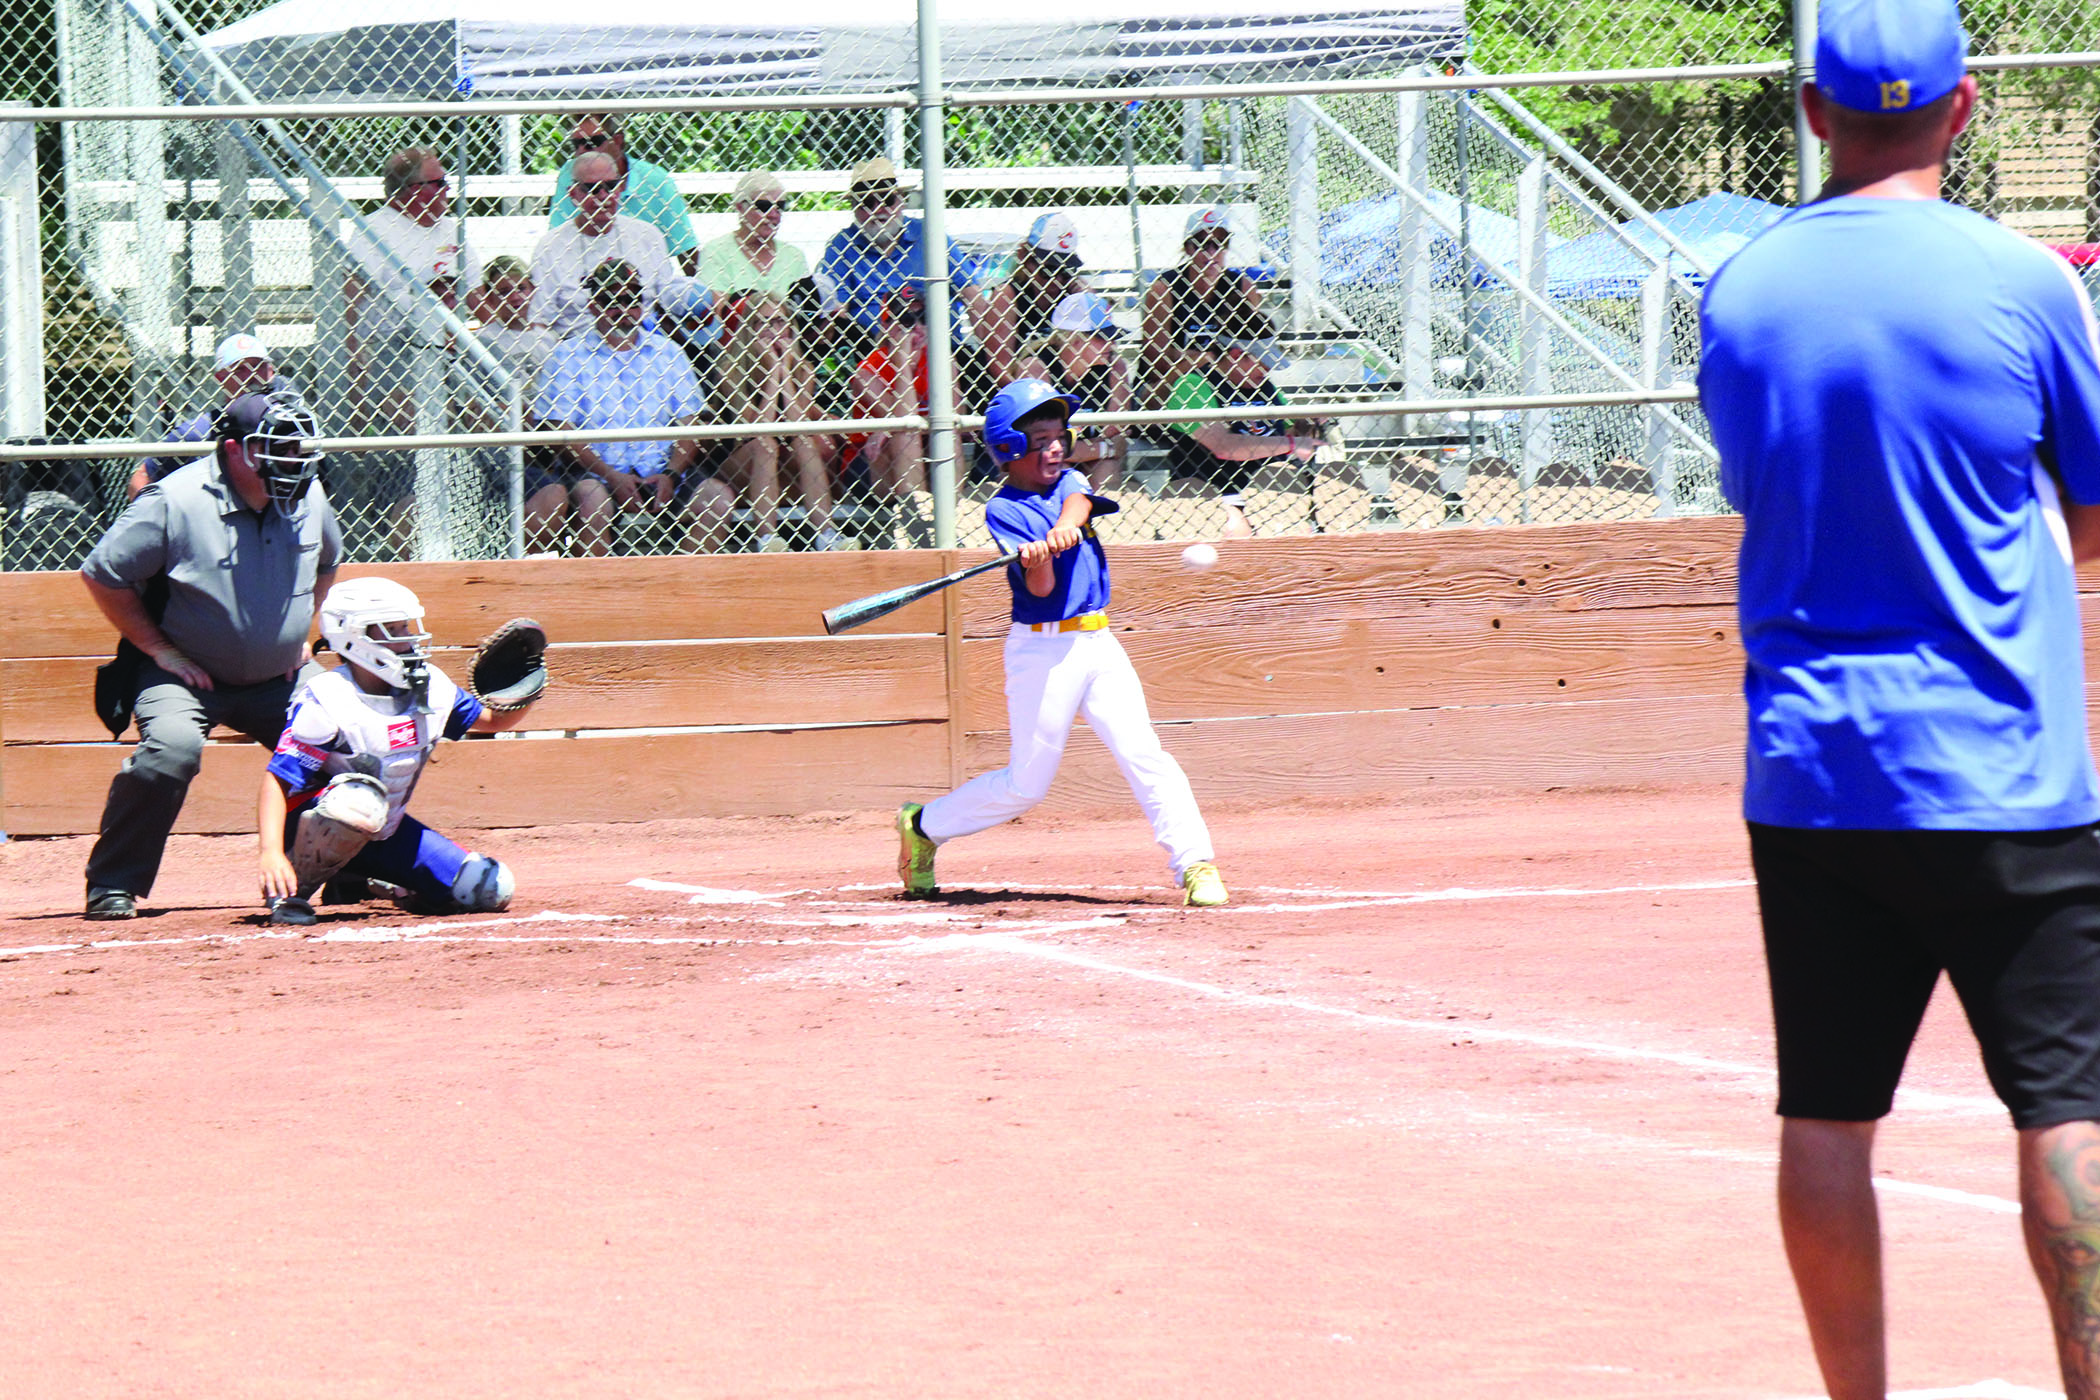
240, 585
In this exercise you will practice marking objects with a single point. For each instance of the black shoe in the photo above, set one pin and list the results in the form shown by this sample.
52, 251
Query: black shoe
290, 909
1454, 508
346, 889
104, 905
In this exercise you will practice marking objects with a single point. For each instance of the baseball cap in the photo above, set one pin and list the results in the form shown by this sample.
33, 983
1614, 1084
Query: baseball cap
1055, 233
1087, 313
236, 348
1210, 216
1889, 55
876, 170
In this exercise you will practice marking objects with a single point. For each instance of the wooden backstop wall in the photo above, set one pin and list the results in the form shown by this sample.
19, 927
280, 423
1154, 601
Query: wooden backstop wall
1323, 667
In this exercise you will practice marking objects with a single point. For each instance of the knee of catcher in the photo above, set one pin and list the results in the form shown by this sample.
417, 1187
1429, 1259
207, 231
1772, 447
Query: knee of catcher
483, 886
350, 811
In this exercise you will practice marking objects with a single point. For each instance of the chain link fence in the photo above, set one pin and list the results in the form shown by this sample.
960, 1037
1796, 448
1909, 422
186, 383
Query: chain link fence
1255, 222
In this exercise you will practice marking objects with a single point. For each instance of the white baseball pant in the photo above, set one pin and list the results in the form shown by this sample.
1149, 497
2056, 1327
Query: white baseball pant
1052, 677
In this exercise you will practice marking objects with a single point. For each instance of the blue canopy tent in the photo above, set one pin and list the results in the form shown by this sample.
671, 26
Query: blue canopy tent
1360, 244
1600, 265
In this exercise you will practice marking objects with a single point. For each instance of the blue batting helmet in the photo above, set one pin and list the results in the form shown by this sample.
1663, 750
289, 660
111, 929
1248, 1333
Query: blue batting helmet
1009, 406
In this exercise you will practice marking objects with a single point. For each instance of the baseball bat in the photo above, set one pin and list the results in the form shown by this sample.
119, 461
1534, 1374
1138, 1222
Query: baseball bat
862, 610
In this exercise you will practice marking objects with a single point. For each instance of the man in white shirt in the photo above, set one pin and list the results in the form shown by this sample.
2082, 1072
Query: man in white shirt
388, 323
599, 233
416, 227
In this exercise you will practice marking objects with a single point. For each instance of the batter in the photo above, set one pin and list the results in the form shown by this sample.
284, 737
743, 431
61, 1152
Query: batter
1061, 658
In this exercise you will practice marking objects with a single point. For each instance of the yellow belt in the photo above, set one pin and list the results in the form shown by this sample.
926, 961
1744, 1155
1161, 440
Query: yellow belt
1085, 622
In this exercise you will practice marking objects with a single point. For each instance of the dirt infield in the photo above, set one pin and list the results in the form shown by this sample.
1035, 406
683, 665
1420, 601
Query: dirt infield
1463, 1097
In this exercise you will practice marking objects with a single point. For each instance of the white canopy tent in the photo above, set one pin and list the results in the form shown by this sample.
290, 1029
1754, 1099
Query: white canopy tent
345, 49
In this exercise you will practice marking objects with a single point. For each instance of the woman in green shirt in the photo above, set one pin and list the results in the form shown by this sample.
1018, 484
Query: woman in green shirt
751, 257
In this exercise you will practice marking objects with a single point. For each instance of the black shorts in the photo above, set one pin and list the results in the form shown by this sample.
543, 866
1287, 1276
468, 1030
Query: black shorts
1860, 924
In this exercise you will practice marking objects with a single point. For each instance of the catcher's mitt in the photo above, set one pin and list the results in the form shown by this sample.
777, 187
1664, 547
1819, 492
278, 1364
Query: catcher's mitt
510, 666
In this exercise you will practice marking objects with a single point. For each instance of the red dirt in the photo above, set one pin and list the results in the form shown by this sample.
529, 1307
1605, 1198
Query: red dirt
1072, 1141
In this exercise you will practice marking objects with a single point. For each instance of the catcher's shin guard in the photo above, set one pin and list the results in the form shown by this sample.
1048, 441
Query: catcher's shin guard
484, 886
350, 811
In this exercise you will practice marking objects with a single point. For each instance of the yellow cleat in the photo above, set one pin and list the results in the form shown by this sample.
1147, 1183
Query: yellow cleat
915, 855
1202, 886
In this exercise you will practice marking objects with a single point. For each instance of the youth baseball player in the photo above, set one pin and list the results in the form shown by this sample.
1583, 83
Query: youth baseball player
334, 798
1061, 659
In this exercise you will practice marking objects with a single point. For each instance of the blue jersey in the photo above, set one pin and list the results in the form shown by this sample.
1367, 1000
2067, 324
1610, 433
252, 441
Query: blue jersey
1891, 384
1016, 517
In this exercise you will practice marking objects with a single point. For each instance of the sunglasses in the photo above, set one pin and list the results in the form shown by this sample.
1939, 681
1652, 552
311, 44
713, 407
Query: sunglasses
877, 199
765, 206
589, 143
618, 303
1216, 238
584, 187
442, 182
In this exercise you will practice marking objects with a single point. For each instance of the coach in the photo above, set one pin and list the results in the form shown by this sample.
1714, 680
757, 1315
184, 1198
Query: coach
212, 574
1902, 393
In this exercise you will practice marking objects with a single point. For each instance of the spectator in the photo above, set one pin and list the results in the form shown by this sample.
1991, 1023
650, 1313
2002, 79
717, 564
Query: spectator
891, 382
501, 323
599, 233
751, 257
1018, 310
1195, 299
1078, 357
501, 307
416, 227
1223, 455
210, 577
388, 324
618, 374
647, 191
765, 379
882, 250
242, 365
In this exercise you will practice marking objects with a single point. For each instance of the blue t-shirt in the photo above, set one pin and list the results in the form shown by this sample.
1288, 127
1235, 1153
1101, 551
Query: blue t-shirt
864, 276
1015, 517
588, 384
1886, 380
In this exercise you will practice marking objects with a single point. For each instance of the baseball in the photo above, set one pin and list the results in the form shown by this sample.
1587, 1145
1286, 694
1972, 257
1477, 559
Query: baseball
1199, 556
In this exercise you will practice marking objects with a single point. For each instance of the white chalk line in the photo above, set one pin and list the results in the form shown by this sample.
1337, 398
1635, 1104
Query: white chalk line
1601, 1049
1000, 942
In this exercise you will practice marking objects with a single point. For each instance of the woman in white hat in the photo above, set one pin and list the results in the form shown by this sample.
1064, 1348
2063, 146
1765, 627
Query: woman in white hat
1017, 312
1190, 303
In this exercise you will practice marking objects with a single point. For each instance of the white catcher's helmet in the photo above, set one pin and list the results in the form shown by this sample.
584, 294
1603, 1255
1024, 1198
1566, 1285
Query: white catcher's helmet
355, 606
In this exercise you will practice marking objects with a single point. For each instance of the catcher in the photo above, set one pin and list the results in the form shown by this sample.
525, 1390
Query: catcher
333, 805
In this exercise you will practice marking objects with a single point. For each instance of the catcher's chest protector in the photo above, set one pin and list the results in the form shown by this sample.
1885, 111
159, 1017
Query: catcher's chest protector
347, 725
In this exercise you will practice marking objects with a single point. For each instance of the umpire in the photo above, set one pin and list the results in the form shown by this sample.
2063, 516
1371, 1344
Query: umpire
232, 550
1903, 393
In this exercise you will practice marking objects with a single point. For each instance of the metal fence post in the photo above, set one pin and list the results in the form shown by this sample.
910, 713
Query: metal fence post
1655, 374
940, 341
1302, 139
150, 232
1808, 155
1535, 342
237, 305
1417, 346
21, 286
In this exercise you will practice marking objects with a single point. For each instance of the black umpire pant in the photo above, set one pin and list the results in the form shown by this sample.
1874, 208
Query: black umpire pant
146, 796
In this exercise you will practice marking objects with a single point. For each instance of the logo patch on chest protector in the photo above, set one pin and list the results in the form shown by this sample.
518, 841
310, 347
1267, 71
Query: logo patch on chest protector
401, 734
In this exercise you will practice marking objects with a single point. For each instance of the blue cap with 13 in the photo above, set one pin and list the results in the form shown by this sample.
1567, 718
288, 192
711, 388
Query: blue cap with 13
1889, 55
